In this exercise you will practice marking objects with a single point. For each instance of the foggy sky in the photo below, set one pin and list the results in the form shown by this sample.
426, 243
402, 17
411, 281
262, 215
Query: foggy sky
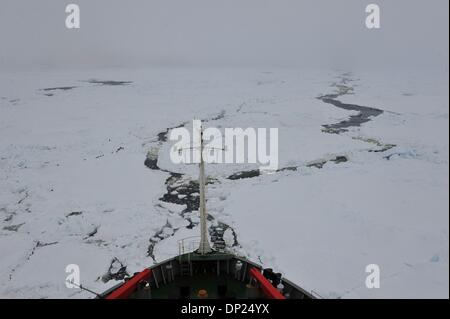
303, 33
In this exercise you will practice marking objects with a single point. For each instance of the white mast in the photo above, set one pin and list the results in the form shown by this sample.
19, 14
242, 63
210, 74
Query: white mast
204, 247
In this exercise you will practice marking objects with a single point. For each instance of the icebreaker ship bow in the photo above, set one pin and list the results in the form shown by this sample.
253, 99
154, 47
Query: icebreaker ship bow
200, 272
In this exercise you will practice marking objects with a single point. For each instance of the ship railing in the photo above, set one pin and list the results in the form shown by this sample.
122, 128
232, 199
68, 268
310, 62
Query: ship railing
188, 245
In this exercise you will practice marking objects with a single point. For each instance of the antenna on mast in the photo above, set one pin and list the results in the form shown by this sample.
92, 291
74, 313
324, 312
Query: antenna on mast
204, 247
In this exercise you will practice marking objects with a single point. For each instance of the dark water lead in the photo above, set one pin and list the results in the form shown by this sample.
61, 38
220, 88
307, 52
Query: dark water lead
365, 114
57, 88
109, 82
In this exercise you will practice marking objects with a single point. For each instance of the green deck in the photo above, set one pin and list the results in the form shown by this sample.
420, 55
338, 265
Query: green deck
209, 282
211, 256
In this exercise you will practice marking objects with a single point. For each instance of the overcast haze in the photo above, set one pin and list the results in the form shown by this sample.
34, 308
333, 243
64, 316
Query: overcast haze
223, 33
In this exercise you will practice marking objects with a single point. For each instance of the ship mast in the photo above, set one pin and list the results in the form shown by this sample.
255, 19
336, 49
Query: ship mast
204, 247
